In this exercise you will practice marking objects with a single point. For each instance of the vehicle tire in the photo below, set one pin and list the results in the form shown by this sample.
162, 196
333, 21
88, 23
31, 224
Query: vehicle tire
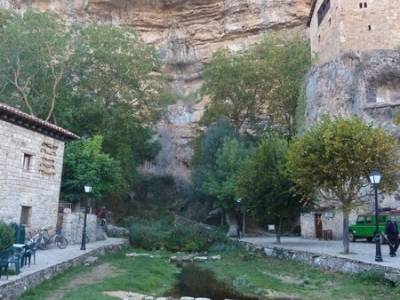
352, 237
369, 239
61, 242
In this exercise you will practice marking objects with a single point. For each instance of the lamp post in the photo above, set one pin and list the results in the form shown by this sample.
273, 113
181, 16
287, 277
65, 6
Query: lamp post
243, 211
88, 190
375, 178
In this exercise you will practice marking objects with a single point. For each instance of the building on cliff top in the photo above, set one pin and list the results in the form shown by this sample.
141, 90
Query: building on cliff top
357, 72
31, 158
351, 25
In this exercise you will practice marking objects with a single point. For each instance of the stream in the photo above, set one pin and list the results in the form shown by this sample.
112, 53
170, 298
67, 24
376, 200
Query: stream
195, 281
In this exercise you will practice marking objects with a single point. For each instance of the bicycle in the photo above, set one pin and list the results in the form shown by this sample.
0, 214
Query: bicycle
44, 239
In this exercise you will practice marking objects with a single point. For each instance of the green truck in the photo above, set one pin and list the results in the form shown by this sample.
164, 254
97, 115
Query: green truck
365, 226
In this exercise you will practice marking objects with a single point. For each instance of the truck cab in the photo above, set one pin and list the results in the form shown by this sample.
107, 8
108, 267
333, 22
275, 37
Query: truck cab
364, 228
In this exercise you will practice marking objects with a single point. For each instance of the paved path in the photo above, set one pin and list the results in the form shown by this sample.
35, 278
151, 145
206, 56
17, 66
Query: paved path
361, 251
55, 256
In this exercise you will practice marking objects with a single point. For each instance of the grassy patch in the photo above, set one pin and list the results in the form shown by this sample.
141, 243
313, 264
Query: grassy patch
141, 274
261, 276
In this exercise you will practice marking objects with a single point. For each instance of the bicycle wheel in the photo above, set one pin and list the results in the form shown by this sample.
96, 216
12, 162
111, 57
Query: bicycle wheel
61, 242
42, 244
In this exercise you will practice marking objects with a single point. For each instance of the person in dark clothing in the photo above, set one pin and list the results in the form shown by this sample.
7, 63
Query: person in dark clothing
392, 234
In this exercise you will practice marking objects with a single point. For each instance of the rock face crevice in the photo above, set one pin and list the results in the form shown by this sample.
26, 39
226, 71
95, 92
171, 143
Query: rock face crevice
186, 34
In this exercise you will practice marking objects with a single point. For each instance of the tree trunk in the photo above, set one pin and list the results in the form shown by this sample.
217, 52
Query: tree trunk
222, 217
244, 223
278, 231
346, 242
232, 222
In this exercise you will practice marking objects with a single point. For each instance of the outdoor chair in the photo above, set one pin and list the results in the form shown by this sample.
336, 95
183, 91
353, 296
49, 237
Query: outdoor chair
10, 257
30, 250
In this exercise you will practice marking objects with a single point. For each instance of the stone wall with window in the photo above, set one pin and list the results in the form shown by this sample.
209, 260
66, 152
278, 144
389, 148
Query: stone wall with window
30, 176
352, 25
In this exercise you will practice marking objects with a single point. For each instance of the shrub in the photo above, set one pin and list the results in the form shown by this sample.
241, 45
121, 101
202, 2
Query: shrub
6, 236
173, 235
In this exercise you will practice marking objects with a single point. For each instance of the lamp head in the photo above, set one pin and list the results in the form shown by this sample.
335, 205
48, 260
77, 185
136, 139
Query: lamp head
375, 177
88, 188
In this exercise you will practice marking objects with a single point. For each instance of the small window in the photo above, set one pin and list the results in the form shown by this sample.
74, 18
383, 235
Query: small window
361, 5
365, 5
26, 215
369, 27
360, 220
27, 162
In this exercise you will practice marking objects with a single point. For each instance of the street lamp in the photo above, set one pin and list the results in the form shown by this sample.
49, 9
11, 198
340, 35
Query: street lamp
88, 189
375, 178
243, 211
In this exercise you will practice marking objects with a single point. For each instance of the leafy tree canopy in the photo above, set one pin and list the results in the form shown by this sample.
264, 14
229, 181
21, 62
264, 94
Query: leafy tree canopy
94, 80
221, 181
265, 188
258, 88
335, 158
85, 162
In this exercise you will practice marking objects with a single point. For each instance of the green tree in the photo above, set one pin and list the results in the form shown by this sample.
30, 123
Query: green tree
85, 162
92, 79
34, 53
221, 181
113, 65
264, 186
259, 88
205, 155
335, 157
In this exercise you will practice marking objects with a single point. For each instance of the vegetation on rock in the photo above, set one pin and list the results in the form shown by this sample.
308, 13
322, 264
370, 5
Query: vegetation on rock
260, 88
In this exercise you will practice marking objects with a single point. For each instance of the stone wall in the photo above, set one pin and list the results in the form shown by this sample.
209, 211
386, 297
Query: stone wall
332, 219
349, 27
72, 227
36, 187
324, 262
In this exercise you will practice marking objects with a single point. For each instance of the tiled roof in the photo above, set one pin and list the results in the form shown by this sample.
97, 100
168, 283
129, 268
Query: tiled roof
313, 5
17, 117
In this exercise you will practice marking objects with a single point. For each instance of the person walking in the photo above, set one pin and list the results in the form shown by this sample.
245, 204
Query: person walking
392, 234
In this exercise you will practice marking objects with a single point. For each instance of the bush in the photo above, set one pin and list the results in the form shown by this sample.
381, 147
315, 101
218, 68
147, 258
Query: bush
6, 236
173, 235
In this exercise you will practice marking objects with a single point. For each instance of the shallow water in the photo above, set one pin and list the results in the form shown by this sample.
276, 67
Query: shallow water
195, 281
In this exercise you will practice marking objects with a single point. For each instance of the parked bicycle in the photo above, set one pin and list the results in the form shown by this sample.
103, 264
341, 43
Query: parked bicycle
44, 239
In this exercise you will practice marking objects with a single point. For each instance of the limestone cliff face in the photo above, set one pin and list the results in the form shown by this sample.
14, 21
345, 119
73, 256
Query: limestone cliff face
366, 84
186, 32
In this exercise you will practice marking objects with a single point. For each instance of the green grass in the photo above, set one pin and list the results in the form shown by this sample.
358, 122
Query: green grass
261, 276
143, 275
249, 273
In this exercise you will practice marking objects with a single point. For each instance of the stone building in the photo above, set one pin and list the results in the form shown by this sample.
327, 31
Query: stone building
353, 25
31, 159
357, 72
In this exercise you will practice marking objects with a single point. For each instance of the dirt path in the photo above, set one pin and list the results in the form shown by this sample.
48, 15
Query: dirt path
97, 274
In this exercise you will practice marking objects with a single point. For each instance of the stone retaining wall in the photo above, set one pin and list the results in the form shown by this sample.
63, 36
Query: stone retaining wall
14, 289
321, 261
